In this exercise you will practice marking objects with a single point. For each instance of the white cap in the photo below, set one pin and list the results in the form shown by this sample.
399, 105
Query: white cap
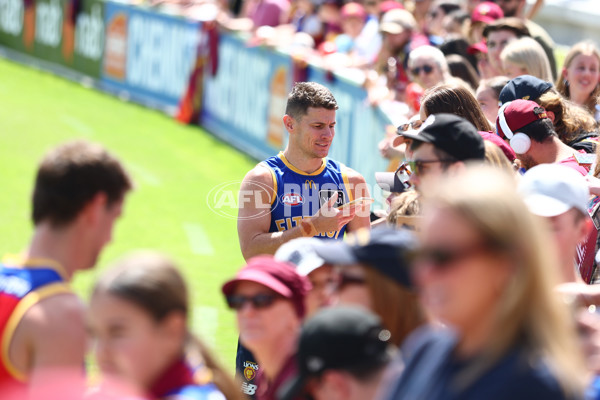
301, 253
553, 189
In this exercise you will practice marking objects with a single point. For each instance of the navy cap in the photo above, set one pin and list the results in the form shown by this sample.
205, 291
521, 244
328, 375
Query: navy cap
451, 133
524, 87
384, 249
339, 338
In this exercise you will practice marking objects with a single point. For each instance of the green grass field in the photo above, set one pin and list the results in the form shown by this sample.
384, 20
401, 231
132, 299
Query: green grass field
173, 166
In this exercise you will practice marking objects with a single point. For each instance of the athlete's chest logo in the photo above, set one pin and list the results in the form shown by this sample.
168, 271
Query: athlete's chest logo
292, 199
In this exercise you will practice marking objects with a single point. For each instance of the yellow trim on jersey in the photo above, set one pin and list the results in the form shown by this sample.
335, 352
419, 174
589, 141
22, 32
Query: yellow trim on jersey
296, 170
346, 183
20, 261
24, 305
274, 195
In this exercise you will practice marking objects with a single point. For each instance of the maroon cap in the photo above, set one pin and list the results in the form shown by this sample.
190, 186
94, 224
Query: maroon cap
279, 276
487, 12
498, 141
480, 47
514, 115
353, 10
388, 5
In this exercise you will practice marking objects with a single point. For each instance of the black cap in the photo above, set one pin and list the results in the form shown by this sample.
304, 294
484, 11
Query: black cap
451, 133
385, 249
524, 87
339, 338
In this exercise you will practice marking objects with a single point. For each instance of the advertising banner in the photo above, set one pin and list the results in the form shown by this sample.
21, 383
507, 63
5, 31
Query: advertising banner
65, 32
148, 56
359, 127
244, 102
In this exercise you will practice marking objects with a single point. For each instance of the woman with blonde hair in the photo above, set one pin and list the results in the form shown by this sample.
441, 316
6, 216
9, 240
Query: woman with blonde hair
457, 99
496, 158
525, 56
580, 76
574, 125
485, 272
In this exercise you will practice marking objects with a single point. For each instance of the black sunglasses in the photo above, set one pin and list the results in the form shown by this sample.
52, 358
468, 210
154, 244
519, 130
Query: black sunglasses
442, 258
236, 302
426, 68
416, 166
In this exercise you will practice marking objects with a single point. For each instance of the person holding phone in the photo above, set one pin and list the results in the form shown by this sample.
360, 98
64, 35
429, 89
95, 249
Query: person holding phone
300, 188
296, 193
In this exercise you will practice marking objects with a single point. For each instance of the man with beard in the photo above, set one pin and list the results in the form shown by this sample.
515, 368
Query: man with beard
440, 148
531, 134
298, 193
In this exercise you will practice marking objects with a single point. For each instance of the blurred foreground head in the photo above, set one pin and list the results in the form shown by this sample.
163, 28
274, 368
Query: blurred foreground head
139, 316
487, 270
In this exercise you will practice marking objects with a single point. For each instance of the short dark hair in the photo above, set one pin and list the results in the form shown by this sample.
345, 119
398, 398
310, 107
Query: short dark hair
512, 24
309, 94
70, 176
540, 130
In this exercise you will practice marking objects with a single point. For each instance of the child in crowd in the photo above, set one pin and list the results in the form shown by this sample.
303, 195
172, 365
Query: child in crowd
139, 319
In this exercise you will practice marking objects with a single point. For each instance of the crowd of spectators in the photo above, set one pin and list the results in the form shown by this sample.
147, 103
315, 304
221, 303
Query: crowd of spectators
476, 283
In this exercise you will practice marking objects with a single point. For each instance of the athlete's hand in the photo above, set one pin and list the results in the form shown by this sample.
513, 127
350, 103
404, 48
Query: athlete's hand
330, 219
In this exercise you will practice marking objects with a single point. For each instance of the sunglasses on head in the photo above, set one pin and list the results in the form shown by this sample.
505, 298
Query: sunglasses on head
426, 68
412, 125
236, 302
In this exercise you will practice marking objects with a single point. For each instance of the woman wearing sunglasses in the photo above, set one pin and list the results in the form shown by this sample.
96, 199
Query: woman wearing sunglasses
372, 272
144, 348
269, 299
487, 275
427, 66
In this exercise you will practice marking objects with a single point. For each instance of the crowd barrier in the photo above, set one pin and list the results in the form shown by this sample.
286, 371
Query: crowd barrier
148, 57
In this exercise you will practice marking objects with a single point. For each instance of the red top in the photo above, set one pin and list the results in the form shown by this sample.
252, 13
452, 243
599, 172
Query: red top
571, 162
267, 390
22, 285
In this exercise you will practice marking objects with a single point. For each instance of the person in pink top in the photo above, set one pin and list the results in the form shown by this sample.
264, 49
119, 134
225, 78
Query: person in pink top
527, 128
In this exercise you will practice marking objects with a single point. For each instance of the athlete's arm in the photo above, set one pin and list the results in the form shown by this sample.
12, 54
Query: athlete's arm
254, 218
358, 188
55, 337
